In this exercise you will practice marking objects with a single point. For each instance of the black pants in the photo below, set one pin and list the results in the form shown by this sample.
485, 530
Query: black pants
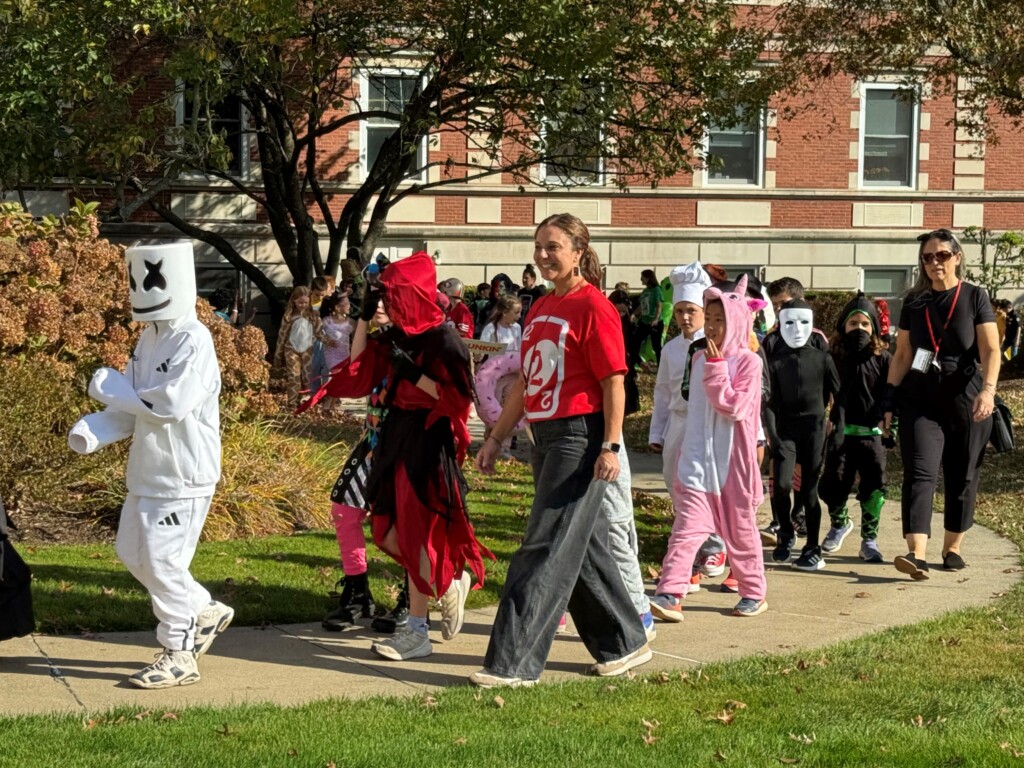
936, 433
800, 443
564, 560
863, 456
640, 334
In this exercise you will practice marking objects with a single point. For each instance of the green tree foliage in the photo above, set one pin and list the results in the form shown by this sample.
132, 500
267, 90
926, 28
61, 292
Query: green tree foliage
633, 85
934, 41
1001, 259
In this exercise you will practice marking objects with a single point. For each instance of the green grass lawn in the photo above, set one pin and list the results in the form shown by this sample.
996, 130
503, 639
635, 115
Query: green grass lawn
946, 692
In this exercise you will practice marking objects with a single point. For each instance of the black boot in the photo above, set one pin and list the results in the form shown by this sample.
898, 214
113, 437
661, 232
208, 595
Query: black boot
354, 601
397, 617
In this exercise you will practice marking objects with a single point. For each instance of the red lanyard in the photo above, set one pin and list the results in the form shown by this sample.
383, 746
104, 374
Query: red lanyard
928, 318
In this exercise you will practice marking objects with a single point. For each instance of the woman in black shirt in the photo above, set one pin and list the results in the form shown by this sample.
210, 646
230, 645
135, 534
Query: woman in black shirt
943, 379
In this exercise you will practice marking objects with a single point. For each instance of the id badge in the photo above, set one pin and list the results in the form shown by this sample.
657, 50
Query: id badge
923, 359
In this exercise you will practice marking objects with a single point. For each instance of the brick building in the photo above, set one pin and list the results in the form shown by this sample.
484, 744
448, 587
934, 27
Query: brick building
834, 197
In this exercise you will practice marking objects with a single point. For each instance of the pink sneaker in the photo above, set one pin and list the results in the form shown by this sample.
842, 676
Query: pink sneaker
730, 584
562, 629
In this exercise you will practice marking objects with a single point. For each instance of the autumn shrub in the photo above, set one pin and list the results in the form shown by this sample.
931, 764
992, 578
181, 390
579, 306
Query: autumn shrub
64, 311
827, 306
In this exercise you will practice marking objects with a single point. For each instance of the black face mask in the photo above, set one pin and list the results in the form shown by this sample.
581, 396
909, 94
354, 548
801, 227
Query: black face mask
857, 341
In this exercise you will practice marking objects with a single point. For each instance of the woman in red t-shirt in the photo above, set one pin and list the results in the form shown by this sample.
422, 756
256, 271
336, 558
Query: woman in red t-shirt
571, 390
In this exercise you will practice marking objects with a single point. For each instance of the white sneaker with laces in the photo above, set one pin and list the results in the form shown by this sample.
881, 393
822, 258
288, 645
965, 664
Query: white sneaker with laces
407, 644
171, 668
210, 622
453, 606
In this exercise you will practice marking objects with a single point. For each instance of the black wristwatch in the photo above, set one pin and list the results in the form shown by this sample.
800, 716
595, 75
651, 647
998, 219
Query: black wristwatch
613, 447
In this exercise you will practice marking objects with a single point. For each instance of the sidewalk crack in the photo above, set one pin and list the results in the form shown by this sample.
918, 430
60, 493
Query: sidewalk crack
57, 674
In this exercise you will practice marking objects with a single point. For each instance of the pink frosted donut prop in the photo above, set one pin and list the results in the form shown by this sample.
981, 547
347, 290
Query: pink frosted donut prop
494, 378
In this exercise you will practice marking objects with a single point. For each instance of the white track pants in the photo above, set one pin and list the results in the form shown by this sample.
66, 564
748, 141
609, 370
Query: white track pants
156, 539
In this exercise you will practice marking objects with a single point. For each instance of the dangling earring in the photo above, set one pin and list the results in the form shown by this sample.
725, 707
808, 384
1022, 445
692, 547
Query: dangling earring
575, 270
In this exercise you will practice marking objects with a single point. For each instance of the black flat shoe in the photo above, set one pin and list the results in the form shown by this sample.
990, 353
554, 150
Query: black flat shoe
951, 561
910, 565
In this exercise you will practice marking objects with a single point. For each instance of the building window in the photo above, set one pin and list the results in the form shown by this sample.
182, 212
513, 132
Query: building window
735, 153
888, 130
574, 142
888, 284
388, 92
226, 120
570, 163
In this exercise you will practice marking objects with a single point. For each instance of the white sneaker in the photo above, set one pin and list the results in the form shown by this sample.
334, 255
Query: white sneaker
210, 622
453, 606
171, 668
484, 679
641, 655
407, 644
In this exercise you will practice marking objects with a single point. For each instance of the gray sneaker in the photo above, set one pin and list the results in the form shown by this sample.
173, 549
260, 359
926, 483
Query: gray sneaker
869, 551
748, 606
453, 606
835, 537
641, 655
407, 644
210, 622
171, 668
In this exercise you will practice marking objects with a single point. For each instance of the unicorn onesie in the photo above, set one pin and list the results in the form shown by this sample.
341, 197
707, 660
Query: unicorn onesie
718, 480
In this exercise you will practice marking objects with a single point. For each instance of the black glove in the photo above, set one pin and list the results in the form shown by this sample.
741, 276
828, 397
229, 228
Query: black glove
404, 366
371, 300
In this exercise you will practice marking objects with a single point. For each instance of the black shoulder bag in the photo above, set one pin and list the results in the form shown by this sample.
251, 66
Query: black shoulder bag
16, 618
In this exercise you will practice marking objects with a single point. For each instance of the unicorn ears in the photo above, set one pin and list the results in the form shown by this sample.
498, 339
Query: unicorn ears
756, 305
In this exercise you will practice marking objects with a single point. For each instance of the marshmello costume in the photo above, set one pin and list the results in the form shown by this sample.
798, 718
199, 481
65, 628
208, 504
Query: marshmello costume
167, 402
718, 485
670, 407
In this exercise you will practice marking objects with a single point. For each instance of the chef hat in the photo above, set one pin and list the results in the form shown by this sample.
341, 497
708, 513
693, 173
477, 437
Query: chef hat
689, 283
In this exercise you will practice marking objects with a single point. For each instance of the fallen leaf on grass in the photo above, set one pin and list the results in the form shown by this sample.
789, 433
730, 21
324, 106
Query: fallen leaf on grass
650, 726
293, 753
169, 716
143, 715
803, 738
460, 741
499, 702
720, 756
949, 641
788, 760
725, 717
1012, 570
428, 702
1008, 747
108, 591
224, 730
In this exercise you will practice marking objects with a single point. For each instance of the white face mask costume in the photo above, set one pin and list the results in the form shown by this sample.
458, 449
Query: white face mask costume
162, 280
167, 401
796, 324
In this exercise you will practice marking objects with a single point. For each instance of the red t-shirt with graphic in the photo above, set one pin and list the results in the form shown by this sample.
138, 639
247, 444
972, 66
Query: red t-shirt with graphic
570, 344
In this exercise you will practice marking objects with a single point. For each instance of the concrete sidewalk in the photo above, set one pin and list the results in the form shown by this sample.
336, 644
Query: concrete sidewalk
293, 664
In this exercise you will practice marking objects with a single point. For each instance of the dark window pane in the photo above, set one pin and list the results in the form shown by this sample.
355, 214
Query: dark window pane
887, 161
733, 157
888, 113
225, 121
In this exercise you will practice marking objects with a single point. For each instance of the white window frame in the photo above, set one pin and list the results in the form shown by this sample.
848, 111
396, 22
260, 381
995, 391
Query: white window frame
246, 138
762, 144
364, 105
915, 136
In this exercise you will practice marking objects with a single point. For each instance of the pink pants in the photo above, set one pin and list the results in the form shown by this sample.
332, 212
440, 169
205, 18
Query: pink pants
698, 515
348, 523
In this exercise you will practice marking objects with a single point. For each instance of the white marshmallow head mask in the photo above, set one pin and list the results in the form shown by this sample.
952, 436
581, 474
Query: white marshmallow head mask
162, 280
796, 323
